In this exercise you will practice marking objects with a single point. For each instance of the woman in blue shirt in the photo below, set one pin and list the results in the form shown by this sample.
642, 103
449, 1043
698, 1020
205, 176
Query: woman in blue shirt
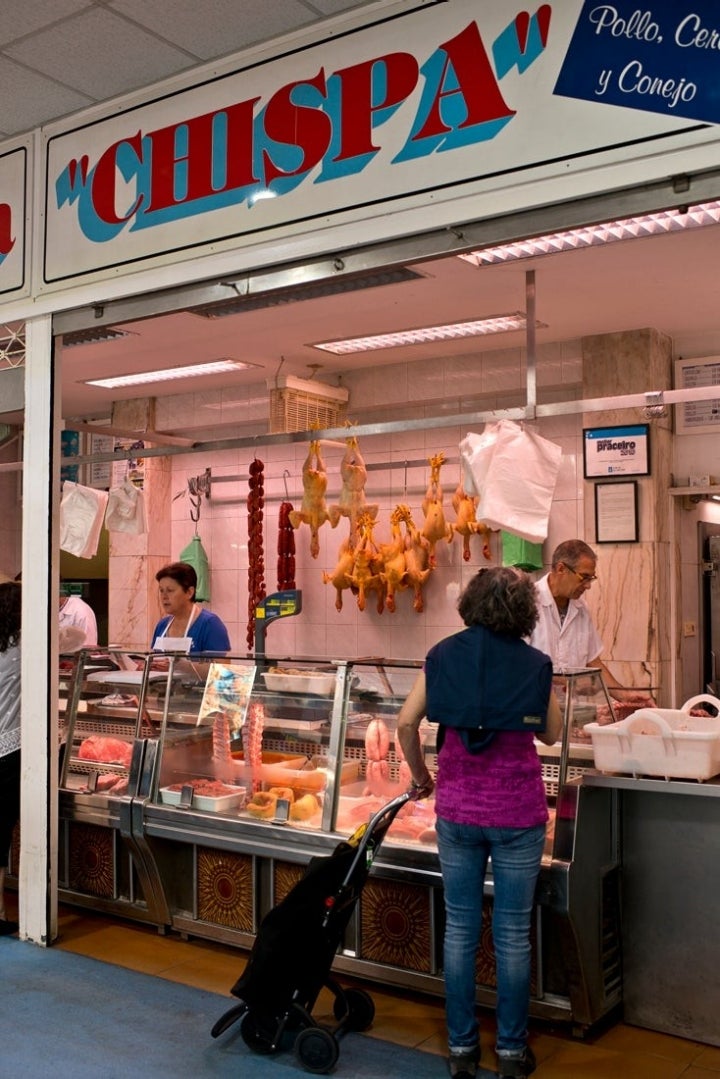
185, 623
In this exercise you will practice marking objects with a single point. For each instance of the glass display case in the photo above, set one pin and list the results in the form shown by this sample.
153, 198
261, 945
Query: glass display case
235, 772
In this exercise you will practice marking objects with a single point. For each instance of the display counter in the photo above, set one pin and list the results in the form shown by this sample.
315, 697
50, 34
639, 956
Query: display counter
230, 774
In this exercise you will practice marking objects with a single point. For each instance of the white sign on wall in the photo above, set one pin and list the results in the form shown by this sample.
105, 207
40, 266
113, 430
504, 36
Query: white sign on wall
13, 187
413, 112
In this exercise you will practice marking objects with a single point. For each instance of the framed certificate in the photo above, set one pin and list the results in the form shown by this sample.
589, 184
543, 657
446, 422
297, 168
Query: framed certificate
616, 451
616, 512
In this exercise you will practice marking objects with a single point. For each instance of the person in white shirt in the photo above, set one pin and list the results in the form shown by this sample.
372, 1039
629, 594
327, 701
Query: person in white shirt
565, 630
76, 614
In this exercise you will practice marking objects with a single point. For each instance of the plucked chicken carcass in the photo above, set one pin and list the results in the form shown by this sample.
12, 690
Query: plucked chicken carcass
465, 524
313, 510
435, 527
367, 566
417, 557
394, 573
340, 576
351, 502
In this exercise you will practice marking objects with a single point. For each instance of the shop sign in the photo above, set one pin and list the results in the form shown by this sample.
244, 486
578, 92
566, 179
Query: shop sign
423, 107
13, 177
661, 57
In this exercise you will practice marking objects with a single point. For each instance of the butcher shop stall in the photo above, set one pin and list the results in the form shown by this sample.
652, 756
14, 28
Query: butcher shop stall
192, 800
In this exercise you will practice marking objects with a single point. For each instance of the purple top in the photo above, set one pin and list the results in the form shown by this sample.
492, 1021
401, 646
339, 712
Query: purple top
500, 787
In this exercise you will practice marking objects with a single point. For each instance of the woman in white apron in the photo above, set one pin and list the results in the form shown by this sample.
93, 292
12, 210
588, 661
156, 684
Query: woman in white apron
186, 626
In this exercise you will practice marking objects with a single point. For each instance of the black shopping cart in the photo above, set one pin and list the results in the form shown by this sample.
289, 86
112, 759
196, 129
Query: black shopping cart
294, 950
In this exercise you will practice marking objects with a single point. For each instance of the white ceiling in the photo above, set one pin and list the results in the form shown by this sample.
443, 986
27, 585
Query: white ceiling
61, 56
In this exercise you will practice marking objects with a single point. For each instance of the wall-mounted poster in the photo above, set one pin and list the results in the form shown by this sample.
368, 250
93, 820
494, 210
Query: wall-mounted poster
616, 451
697, 417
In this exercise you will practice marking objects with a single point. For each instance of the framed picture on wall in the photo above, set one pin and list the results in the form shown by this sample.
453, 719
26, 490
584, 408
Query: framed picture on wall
616, 512
616, 451
697, 417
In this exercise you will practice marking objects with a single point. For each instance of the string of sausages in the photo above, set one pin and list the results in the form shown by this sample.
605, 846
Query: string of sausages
286, 549
256, 560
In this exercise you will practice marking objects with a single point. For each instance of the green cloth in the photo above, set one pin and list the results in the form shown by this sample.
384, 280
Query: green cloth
520, 552
194, 555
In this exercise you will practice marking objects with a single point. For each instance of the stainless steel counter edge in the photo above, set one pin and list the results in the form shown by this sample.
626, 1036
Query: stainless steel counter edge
709, 788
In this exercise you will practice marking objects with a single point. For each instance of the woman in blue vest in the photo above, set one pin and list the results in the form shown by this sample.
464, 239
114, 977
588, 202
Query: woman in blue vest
491, 694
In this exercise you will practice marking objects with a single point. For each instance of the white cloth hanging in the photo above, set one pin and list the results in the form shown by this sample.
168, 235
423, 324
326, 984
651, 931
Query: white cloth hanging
82, 511
126, 509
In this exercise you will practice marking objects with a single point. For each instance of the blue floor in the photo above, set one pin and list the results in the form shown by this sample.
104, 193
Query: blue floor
64, 1016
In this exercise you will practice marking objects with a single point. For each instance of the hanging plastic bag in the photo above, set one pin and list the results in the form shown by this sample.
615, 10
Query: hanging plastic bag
126, 509
519, 479
521, 553
476, 453
82, 511
194, 554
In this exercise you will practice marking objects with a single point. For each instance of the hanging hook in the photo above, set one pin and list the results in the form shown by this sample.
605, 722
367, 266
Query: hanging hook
286, 473
195, 510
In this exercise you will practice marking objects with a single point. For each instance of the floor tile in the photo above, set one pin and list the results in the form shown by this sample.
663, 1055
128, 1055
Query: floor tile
409, 1019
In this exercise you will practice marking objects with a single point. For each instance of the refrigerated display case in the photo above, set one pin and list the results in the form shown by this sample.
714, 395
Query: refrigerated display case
241, 771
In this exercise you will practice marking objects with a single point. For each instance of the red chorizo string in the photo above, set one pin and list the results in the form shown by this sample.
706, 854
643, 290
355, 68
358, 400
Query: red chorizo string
256, 559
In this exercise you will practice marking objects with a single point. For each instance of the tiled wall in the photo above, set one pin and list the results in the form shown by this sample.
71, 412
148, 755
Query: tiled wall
399, 392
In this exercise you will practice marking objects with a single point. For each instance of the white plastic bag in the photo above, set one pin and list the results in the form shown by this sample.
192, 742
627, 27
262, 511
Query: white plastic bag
516, 480
82, 511
476, 453
126, 510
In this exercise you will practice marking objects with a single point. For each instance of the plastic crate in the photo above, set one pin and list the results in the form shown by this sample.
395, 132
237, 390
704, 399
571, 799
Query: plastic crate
664, 742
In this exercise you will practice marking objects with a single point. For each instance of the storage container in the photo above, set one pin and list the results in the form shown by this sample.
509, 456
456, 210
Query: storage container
663, 742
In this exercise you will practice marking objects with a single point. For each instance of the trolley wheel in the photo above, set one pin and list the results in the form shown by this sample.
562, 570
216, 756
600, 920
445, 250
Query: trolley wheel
225, 1021
257, 1035
317, 1049
356, 1011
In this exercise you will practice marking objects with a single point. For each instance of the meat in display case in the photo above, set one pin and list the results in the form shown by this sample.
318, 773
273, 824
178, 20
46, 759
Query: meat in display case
242, 770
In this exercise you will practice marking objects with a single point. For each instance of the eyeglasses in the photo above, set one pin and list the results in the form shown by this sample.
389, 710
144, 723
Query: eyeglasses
586, 578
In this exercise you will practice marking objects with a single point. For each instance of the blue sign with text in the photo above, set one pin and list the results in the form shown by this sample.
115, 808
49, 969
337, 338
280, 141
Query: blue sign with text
663, 57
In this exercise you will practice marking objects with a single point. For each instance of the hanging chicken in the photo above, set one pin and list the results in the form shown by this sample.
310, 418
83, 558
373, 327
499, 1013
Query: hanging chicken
351, 502
394, 573
417, 557
340, 576
313, 510
367, 566
466, 525
435, 527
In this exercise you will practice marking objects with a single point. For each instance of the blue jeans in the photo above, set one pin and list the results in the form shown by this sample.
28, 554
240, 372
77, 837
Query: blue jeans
516, 853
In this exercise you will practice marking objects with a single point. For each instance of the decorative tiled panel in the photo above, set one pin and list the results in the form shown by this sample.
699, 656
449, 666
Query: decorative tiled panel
92, 860
395, 925
225, 889
285, 877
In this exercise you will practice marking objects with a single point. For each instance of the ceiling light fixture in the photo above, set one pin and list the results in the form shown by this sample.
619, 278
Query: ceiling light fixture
451, 331
313, 290
92, 335
626, 228
214, 367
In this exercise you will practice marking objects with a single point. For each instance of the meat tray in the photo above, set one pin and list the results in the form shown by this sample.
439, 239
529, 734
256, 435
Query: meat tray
659, 742
205, 803
317, 683
220, 804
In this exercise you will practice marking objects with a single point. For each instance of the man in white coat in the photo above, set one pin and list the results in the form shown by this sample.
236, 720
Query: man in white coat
565, 630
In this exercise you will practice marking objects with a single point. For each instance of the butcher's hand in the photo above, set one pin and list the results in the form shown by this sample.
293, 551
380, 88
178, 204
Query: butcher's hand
423, 788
